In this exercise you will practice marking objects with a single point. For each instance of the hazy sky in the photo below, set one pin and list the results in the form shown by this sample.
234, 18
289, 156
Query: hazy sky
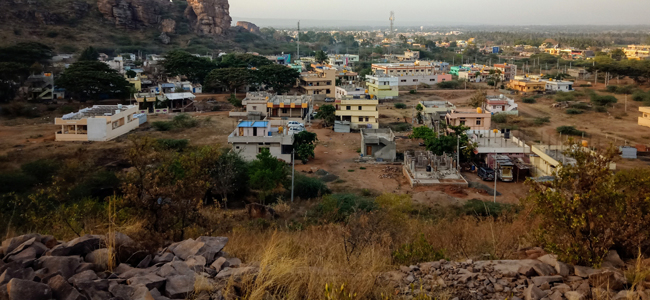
451, 12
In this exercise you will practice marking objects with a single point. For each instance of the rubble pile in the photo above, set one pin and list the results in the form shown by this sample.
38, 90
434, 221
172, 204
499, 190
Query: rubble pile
34, 267
390, 172
530, 279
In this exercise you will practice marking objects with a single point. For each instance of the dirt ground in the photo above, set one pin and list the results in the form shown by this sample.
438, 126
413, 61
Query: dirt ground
24, 140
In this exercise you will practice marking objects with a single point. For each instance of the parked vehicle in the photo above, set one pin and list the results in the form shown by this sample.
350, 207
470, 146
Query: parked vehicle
485, 173
295, 124
329, 99
295, 130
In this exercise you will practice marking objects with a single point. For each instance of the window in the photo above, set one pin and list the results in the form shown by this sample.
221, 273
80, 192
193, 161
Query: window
348, 107
254, 107
462, 123
403, 80
366, 119
260, 149
415, 80
129, 118
478, 122
360, 119
432, 79
359, 107
284, 110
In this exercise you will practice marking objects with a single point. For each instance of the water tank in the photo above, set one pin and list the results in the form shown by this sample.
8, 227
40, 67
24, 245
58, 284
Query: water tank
479, 110
281, 130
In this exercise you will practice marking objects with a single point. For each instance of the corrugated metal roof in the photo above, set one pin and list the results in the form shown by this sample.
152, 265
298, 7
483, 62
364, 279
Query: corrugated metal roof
250, 124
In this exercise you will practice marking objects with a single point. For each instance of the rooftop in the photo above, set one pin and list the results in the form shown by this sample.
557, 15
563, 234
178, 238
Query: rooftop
385, 133
251, 124
436, 103
97, 111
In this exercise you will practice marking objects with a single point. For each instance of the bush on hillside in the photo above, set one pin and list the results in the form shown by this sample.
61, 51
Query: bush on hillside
528, 100
42, 169
417, 251
541, 120
309, 188
450, 85
500, 118
603, 100
640, 96
338, 207
480, 208
162, 125
172, 144
569, 130
400, 105
573, 111
184, 121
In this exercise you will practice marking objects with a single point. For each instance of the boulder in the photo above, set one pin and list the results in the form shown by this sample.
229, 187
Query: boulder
187, 248
609, 280
29, 250
65, 265
573, 295
612, 260
196, 263
61, 290
87, 266
79, 246
236, 272
213, 245
19, 273
9, 245
151, 281
49, 241
84, 276
144, 262
179, 286
219, 264
543, 269
134, 272
157, 295
95, 287
128, 292
234, 262
534, 293
19, 289
625, 295
539, 280
98, 257
163, 258
562, 288
174, 268
584, 272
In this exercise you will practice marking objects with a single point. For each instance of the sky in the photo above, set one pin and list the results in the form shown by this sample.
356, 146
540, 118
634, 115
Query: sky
449, 12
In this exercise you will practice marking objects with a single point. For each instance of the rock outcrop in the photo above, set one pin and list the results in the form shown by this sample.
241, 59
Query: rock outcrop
250, 27
168, 26
209, 16
34, 267
133, 14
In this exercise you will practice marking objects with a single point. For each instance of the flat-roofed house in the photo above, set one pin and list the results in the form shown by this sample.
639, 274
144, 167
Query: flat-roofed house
98, 123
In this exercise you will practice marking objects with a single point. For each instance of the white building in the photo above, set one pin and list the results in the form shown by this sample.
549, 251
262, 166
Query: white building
558, 85
98, 123
342, 91
501, 104
250, 138
343, 60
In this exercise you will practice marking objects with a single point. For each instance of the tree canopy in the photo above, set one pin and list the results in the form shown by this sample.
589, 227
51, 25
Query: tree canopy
26, 53
278, 77
304, 144
92, 80
321, 57
89, 54
229, 78
11, 75
327, 114
182, 63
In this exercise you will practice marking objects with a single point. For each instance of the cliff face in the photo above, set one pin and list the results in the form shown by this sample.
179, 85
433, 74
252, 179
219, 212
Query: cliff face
133, 14
248, 26
209, 16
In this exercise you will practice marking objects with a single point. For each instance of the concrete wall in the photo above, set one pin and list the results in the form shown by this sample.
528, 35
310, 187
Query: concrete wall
249, 152
97, 128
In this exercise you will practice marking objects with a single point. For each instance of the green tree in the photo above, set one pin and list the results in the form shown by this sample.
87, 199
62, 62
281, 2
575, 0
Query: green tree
422, 132
495, 76
229, 175
12, 75
92, 79
278, 77
26, 53
236, 102
304, 144
588, 210
321, 57
182, 63
243, 61
419, 108
603, 100
327, 114
89, 54
617, 54
268, 175
230, 78
131, 74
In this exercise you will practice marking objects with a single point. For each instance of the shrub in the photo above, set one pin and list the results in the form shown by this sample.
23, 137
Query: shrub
640, 96
52, 34
42, 169
450, 85
611, 88
337, 207
162, 125
400, 105
16, 182
309, 188
603, 100
417, 251
480, 208
66, 109
529, 100
573, 111
500, 118
569, 130
400, 127
184, 121
600, 109
541, 120
580, 105
350, 170
563, 96
412, 91
172, 144
490, 82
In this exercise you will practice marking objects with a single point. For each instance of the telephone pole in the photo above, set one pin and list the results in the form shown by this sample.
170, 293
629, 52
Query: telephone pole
298, 54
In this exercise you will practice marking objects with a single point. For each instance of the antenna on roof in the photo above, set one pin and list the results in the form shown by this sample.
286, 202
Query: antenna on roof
392, 19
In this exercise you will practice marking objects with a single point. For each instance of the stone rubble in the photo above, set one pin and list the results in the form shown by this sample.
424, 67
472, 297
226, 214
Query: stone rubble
543, 278
34, 267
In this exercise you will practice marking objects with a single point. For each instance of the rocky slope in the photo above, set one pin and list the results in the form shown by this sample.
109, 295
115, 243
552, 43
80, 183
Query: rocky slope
209, 17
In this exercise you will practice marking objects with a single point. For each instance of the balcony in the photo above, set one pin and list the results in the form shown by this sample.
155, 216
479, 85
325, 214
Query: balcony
274, 138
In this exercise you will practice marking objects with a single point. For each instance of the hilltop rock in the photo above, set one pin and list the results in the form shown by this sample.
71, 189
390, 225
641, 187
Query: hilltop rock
209, 16
250, 27
133, 14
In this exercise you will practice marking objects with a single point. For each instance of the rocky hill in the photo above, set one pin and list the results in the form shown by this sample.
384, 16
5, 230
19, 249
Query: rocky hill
76, 22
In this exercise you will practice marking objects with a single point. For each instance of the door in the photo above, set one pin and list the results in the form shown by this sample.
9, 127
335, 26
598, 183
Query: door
368, 150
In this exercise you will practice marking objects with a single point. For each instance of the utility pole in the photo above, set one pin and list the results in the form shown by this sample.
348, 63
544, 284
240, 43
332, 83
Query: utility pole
495, 177
298, 54
293, 170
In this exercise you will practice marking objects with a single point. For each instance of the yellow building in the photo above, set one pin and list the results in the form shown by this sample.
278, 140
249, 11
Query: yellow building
136, 82
524, 86
475, 119
637, 52
645, 119
320, 83
361, 113
382, 86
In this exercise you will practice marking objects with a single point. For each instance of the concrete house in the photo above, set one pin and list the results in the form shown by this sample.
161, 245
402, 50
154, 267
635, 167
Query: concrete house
251, 137
558, 85
474, 119
349, 90
320, 83
379, 144
501, 104
644, 120
381, 86
415, 73
546, 159
360, 112
98, 123
263, 105
527, 86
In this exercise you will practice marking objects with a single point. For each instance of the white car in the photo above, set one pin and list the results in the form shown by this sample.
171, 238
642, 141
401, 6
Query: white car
295, 130
295, 124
